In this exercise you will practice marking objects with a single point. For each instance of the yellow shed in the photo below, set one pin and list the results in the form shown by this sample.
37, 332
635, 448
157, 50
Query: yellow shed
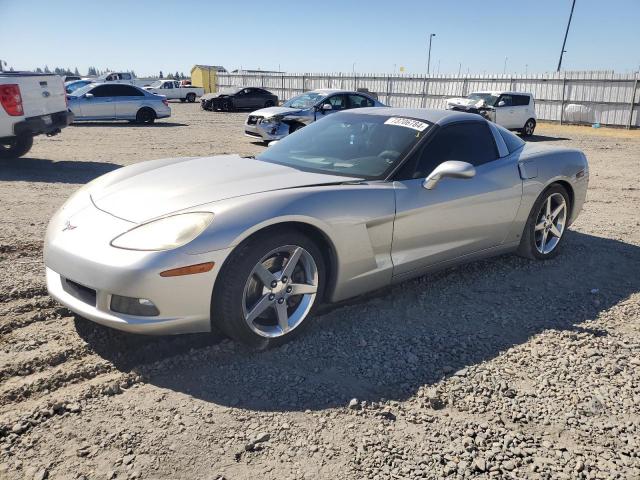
205, 76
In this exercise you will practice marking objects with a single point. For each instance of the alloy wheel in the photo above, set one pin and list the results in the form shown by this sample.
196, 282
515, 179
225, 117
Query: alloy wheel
528, 128
550, 223
280, 291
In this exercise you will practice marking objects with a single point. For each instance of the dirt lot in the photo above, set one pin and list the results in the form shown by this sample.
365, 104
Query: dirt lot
504, 368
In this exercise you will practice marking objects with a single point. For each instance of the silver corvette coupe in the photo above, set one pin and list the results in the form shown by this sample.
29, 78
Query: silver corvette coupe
356, 201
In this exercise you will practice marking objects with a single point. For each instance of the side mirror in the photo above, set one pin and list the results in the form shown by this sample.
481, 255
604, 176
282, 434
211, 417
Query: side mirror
88, 95
452, 169
501, 103
326, 107
272, 143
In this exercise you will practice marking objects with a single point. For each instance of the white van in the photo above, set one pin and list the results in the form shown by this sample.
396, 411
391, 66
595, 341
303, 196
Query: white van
512, 110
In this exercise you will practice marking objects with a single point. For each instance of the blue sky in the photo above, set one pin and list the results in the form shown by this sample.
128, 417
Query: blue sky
327, 36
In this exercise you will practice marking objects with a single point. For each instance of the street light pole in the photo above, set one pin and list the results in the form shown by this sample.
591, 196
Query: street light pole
566, 33
431, 35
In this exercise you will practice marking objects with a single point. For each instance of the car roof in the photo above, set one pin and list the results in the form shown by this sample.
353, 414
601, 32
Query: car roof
502, 92
439, 117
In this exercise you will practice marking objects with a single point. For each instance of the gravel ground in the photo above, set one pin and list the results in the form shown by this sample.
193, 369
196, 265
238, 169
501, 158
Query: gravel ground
503, 368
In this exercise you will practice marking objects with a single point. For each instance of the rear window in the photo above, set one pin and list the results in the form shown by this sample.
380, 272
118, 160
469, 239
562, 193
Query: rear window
512, 141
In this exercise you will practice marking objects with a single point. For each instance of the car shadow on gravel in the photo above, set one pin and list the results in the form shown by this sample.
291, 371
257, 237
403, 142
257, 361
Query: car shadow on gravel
42, 170
157, 124
544, 138
388, 346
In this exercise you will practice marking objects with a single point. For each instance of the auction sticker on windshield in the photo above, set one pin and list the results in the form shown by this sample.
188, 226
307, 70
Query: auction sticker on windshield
407, 122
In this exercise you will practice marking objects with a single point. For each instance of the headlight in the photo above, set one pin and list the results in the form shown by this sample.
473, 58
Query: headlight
165, 233
270, 120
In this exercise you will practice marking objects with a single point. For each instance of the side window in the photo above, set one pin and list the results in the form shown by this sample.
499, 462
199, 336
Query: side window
470, 142
167, 85
127, 91
125, 76
359, 101
176, 84
103, 91
507, 99
337, 102
521, 100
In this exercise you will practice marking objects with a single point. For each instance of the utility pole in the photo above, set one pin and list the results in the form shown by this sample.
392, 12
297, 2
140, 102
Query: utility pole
504, 70
566, 33
431, 35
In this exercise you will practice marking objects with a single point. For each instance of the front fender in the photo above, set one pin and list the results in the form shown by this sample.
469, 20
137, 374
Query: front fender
360, 235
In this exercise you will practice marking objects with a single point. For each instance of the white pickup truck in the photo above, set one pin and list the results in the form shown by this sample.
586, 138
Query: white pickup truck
173, 90
31, 104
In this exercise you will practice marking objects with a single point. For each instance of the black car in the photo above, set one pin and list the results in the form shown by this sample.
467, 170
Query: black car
238, 98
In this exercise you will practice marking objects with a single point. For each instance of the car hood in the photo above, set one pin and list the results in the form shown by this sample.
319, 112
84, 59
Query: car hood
465, 102
152, 189
271, 111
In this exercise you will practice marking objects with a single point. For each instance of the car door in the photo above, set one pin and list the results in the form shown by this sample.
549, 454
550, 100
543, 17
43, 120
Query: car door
459, 216
100, 106
506, 114
127, 101
242, 99
168, 90
523, 109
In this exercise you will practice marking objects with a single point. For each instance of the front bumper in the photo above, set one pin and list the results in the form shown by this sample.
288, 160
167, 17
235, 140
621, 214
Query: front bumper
266, 132
82, 254
43, 124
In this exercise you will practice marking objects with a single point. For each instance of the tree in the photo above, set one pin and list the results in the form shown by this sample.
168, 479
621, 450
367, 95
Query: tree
182, 75
76, 72
46, 69
133, 74
161, 76
92, 72
38, 70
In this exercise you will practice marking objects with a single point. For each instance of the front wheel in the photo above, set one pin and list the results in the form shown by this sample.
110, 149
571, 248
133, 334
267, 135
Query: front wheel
546, 225
16, 147
146, 115
268, 288
528, 128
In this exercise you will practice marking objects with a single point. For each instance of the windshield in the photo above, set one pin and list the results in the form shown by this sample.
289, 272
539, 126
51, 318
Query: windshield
489, 98
82, 90
156, 84
230, 90
349, 144
305, 100
73, 86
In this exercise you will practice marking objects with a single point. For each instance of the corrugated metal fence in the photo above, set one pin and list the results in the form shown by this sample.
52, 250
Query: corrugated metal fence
565, 97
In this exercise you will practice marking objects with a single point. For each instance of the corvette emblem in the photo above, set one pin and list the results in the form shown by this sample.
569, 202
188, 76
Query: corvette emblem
68, 226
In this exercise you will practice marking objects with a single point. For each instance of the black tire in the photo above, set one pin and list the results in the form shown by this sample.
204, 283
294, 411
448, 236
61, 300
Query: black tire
227, 106
528, 244
269, 103
146, 115
191, 97
227, 301
17, 147
528, 128
182, 100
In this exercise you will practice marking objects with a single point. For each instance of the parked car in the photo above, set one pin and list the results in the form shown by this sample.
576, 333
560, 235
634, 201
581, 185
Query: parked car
117, 77
352, 203
71, 87
71, 78
512, 110
108, 101
238, 98
174, 90
274, 123
32, 104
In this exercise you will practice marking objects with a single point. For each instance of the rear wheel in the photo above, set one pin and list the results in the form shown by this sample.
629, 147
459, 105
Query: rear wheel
182, 100
268, 288
16, 147
528, 128
146, 115
546, 225
191, 97
227, 106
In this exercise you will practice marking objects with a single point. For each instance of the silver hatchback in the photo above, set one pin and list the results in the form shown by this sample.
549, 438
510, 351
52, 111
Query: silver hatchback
112, 101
